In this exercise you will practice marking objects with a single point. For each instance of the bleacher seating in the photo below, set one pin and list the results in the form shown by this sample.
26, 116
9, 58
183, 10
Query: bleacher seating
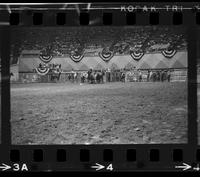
90, 40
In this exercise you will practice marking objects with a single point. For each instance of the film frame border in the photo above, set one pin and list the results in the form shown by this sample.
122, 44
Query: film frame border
76, 160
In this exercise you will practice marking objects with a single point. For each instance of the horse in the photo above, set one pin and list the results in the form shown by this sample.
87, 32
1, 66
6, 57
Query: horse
84, 76
92, 78
55, 74
122, 77
154, 76
99, 77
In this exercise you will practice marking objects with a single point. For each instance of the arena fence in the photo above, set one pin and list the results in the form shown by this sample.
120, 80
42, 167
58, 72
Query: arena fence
14, 69
179, 75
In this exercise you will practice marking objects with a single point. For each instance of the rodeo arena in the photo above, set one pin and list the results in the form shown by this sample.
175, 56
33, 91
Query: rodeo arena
98, 85
198, 83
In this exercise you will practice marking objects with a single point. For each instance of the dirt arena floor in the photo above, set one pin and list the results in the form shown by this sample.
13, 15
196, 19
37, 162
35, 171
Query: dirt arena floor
198, 107
111, 113
0, 117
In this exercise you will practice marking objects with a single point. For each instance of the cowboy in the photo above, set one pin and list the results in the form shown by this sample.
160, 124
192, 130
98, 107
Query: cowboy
162, 76
59, 71
69, 76
122, 77
82, 77
150, 75
109, 75
158, 75
75, 76
140, 76
89, 74
168, 75
72, 75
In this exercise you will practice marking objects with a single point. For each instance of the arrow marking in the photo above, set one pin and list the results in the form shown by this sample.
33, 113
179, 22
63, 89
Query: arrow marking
98, 166
184, 167
5, 167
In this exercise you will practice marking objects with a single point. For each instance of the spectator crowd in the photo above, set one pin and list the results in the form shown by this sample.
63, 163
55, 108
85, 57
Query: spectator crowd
61, 41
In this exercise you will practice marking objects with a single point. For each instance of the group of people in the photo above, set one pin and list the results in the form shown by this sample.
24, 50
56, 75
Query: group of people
101, 76
159, 75
95, 76
73, 76
90, 76
148, 76
54, 70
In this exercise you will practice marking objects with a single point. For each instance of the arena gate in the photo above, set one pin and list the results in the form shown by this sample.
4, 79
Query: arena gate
14, 70
198, 74
29, 60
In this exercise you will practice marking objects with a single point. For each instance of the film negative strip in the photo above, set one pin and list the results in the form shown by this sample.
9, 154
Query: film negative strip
100, 87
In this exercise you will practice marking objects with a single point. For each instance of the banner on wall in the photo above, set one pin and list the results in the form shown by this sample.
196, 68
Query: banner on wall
169, 53
42, 71
45, 58
76, 57
136, 55
106, 55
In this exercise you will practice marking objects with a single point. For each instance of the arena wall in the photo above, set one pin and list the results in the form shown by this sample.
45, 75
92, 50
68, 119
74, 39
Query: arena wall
28, 63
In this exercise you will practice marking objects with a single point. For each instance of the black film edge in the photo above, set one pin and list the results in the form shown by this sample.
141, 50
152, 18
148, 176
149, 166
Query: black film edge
99, 87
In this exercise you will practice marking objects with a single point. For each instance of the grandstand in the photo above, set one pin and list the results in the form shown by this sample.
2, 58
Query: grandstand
121, 40
61, 43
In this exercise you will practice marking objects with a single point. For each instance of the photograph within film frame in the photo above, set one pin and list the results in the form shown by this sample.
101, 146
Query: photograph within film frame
99, 87
198, 82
